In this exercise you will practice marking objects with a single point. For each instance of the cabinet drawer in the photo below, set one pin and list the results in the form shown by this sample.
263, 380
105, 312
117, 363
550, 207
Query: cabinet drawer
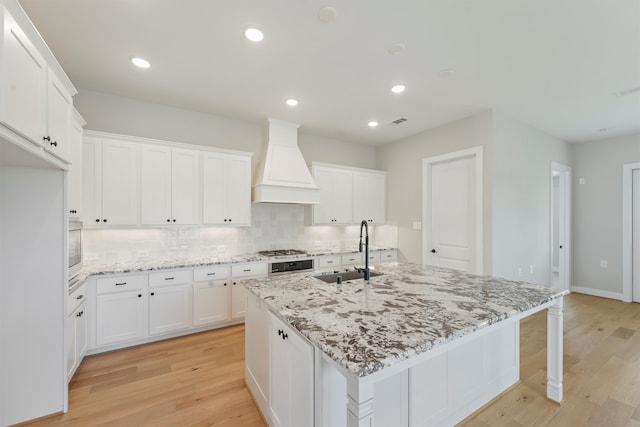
389, 256
352, 259
329, 261
249, 270
121, 283
374, 257
211, 273
170, 278
76, 298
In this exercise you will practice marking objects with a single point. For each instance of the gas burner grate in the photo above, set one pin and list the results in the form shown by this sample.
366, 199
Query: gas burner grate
282, 252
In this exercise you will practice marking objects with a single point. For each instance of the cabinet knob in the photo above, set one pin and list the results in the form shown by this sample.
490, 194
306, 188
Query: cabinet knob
46, 138
433, 251
139, 295
234, 283
168, 220
153, 293
104, 220
225, 220
225, 284
174, 220
229, 219
97, 220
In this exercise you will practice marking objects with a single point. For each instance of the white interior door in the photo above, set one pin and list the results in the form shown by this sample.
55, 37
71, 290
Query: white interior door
560, 226
636, 235
452, 232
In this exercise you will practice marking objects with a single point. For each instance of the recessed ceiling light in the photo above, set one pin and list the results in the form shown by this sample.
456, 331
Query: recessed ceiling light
446, 73
398, 89
327, 14
372, 124
292, 102
396, 48
253, 34
139, 62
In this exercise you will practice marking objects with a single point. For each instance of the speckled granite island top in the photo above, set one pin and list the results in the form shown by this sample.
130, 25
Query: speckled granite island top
406, 311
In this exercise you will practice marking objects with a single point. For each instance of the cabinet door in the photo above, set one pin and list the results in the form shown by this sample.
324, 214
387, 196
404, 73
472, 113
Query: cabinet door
214, 189
70, 346
120, 317
58, 118
238, 174
155, 185
91, 181
238, 302
169, 308
74, 175
335, 196
24, 79
185, 187
211, 302
257, 332
369, 197
119, 182
82, 341
279, 392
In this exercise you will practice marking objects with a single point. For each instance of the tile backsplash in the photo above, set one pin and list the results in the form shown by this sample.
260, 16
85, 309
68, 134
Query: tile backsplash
275, 226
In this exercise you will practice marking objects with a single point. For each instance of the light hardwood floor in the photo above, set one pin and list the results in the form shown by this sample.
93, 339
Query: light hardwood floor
198, 380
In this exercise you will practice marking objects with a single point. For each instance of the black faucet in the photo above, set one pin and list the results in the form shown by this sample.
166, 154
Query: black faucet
367, 273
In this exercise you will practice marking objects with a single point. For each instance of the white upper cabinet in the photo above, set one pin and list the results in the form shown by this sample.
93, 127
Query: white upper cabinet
349, 195
110, 178
59, 114
24, 84
35, 95
74, 175
226, 189
169, 185
336, 202
369, 197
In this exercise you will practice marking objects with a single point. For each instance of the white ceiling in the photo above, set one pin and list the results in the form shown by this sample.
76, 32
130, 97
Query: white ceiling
556, 65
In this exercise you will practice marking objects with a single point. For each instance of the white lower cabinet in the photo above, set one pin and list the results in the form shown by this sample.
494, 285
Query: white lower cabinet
169, 308
291, 376
237, 299
76, 339
239, 272
256, 347
121, 309
211, 302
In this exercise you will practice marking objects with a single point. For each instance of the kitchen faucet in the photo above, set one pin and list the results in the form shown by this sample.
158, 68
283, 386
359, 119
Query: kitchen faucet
367, 273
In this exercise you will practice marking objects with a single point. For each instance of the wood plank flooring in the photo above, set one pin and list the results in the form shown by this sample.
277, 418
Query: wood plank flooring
197, 380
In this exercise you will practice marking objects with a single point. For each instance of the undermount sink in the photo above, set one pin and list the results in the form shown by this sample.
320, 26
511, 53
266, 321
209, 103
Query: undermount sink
346, 276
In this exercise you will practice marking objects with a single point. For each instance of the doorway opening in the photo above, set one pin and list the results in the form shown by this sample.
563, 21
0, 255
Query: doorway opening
560, 239
631, 232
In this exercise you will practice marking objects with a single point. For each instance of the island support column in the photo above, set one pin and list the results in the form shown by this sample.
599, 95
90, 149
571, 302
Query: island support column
359, 402
554, 351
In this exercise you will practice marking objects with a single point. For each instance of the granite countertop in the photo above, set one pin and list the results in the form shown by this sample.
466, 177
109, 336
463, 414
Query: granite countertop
406, 311
122, 268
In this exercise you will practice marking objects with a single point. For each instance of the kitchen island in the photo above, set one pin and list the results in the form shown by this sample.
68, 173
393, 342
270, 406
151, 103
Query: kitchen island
418, 345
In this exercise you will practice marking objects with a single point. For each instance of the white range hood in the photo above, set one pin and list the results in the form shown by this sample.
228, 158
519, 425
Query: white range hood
282, 175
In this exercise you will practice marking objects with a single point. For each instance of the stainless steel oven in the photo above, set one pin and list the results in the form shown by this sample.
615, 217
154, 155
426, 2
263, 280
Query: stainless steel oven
75, 248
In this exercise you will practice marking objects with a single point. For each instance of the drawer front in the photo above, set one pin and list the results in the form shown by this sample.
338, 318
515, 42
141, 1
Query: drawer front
388, 256
121, 283
76, 298
211, 273
374, 257
249, 270
329, 261
352, 259
171, 278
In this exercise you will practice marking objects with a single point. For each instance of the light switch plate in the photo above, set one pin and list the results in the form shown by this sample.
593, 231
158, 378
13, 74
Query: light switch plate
417, 225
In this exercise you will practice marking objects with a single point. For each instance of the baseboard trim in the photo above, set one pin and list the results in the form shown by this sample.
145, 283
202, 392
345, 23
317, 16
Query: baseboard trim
597, 293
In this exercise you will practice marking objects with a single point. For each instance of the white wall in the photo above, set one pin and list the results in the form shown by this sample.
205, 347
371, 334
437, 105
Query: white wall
109, 113
403, 162
597, 207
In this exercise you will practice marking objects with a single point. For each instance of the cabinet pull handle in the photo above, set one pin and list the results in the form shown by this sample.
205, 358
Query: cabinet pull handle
285, 336
279, 331
329, 262
46, 138
54, 143
80, 297
169, 278
247, 270
120, 284
211, 274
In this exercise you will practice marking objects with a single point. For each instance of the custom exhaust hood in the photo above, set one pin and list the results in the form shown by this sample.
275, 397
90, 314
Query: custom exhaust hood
282, 174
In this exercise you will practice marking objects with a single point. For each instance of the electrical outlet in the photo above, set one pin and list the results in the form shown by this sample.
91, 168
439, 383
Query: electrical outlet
603, 263
417, 225
581, 181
